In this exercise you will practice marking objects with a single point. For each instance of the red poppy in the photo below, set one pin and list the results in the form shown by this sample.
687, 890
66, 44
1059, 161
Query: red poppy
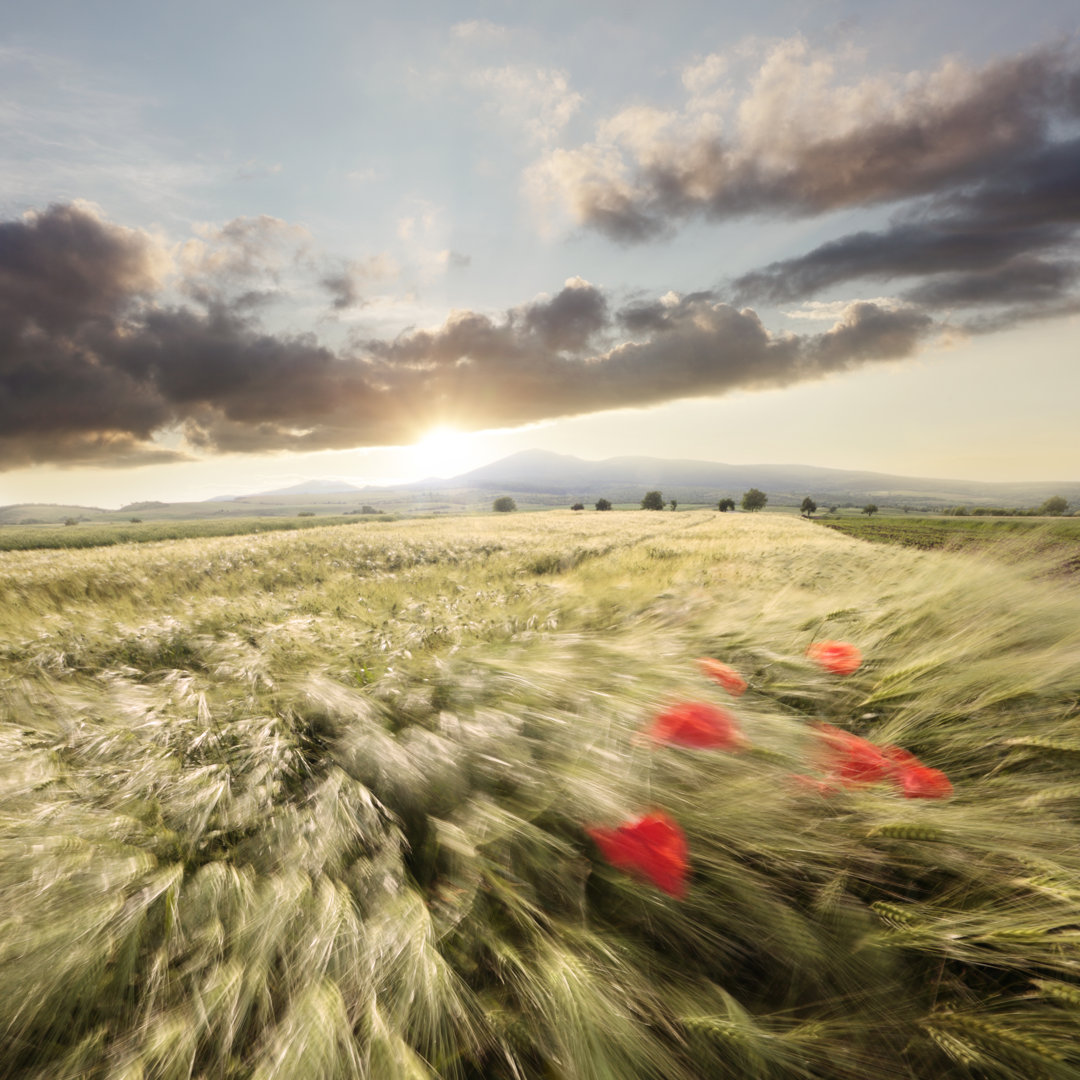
839, 657
916, 780
726, 676
852, 759
698, 724
652, 847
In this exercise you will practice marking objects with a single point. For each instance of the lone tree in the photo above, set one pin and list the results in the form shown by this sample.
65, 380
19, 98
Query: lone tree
603, 504
504, 505
1054, 506
578, 506
674, 504
870, 509
754, 500
653, 501
808, 506
724, 505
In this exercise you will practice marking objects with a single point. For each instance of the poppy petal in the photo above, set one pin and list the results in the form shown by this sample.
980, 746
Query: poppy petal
652, 847
839, 657
726, 676
697, 724
852, 759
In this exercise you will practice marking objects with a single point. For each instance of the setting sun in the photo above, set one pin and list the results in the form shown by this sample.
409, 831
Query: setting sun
444, 451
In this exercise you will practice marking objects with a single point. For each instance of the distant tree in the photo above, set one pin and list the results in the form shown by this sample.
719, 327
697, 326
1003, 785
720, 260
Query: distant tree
833, 509
578, 506
306, 513
724, 505
603, 504
808, 506
653, 501
504, 505
1055, 505
674, 504
135, 521
754, 500
870, 509
71, 521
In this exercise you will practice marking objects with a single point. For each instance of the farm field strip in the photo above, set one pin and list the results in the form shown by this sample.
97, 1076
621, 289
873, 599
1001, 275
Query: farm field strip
95, 534
1060, 538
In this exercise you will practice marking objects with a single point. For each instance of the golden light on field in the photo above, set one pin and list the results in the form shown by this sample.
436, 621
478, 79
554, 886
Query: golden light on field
444, 451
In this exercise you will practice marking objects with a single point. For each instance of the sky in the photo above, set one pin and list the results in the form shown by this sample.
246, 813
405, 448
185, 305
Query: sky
248, 244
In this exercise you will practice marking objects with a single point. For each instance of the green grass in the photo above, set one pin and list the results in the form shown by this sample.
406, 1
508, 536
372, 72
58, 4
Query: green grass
314, 804
1008, 537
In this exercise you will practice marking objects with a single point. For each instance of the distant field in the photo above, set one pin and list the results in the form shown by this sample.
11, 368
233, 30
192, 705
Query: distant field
92, 534
324, 804
1056, 538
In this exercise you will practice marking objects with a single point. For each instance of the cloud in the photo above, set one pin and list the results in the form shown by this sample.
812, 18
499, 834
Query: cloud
532, 99
480, 31
94, 368
247, 253
1007, 240
346, 282
256, 170
802, 141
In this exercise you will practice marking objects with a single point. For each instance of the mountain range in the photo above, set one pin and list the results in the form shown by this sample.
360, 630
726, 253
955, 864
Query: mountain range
623, 479
541, 478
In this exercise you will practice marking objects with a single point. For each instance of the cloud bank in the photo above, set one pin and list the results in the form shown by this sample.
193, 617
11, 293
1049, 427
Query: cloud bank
95, 366
1008, 240
802, 141
118, 348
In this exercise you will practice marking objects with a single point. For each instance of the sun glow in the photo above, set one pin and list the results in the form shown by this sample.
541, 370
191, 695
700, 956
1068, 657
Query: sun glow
444, 451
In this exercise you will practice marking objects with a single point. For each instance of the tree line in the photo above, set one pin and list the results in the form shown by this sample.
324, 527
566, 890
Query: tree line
754, 500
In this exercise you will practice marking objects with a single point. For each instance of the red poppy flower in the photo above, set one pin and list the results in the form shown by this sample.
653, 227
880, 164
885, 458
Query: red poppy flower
839, 657
698, 724
916, 780
726, 676
852, 759
652, 847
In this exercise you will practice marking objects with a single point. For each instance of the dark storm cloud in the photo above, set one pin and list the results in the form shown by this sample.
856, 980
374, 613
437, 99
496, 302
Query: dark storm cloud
570, 318
941, 132
1023, 280
1007, 239
494, 374
92, 369
64, 267
653, 316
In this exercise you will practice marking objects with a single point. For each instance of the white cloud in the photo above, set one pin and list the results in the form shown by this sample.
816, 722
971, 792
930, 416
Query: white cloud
480, 31
833, 310
535, 100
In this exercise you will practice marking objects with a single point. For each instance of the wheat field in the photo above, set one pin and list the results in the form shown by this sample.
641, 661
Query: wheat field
318, 805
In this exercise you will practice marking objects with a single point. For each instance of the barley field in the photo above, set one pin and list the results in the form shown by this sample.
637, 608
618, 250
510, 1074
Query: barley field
340, 803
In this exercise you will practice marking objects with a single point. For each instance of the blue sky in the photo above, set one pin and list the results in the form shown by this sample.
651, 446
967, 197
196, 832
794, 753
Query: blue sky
245, 244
